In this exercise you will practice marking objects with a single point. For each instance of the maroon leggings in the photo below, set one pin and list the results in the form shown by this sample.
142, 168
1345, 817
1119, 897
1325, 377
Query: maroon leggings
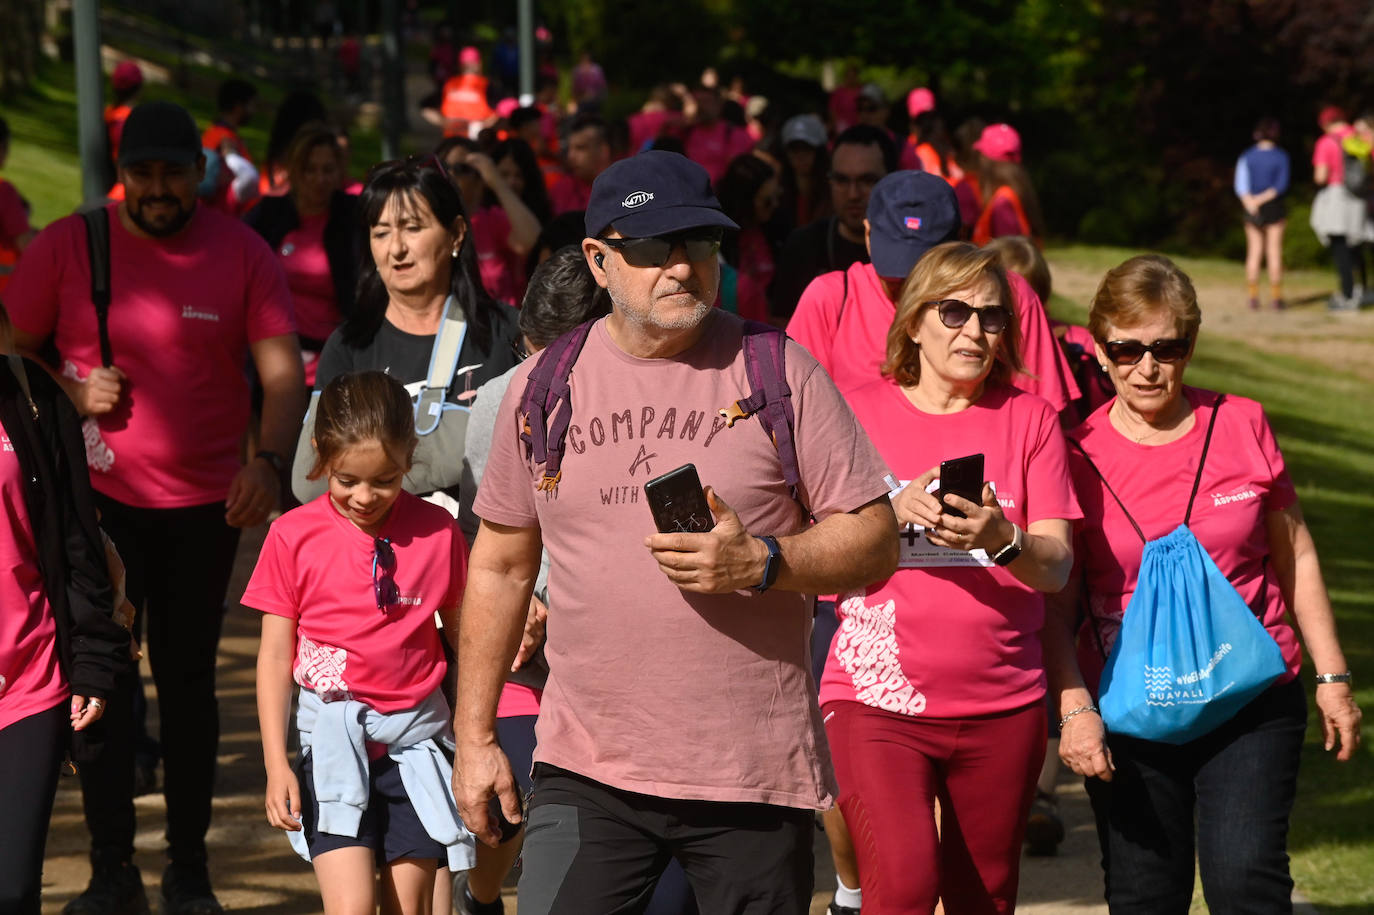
892, 767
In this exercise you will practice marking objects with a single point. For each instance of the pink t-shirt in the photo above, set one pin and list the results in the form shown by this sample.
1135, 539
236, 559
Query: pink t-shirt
844, 108
316, 568
755, 274
503, 271
183, 314
30, 679
952, 635
848, 333
648, 126
306, 265
14, 217
651, 689
712, 146
1327, 151
1243, 480
569, 195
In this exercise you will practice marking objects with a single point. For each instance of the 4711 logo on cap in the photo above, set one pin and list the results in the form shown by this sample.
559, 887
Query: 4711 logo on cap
637, 199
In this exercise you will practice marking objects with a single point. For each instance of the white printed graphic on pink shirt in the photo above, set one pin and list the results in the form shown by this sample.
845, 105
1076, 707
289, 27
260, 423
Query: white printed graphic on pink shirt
866, 647
321, 668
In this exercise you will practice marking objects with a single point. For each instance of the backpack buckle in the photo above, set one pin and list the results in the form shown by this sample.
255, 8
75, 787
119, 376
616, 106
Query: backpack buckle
732, 413
549, 483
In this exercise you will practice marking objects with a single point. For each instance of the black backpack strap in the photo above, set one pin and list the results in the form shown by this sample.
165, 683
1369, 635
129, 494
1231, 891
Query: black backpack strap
98, 251
770, 397
1074, 443
546, 405
1206, 444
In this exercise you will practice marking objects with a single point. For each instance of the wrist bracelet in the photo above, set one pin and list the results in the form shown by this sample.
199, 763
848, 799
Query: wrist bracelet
1333, 678
1078, 711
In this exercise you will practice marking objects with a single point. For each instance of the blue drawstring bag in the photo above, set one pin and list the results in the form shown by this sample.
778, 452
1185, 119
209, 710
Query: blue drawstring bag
1191, 653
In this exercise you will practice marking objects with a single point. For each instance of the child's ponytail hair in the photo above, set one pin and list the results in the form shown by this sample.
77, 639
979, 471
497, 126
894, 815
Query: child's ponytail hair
360, 407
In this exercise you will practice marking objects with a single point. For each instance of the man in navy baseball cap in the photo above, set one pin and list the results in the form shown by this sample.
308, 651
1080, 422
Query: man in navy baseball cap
723, 613
909, 213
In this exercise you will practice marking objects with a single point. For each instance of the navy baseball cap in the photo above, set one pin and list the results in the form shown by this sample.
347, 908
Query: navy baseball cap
654, 193
909, 213
159, 131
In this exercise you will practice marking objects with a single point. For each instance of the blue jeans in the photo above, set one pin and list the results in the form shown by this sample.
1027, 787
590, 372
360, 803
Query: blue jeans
1240, 780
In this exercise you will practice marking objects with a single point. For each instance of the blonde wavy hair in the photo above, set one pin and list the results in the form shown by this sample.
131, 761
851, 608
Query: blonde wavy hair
942, 270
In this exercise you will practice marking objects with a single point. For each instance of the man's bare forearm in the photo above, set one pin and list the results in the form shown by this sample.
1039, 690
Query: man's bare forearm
841, 553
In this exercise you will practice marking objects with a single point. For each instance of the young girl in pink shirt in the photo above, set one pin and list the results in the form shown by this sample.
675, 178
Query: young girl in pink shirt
349, 584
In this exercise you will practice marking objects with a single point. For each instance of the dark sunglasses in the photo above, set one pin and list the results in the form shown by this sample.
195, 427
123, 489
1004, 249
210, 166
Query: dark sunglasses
955, 313
384, 586
1130, 352
654, 250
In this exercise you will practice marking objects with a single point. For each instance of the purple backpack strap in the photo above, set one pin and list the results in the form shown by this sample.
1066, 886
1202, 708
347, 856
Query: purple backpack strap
769, 397
546, 406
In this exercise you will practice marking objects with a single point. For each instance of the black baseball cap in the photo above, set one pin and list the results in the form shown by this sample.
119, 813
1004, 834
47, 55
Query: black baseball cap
654, 193
909, 212
159, 131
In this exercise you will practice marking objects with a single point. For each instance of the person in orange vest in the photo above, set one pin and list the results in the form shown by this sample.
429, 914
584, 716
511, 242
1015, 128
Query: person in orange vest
15, 231
235, 105
127, 82
1011, 206
464, 100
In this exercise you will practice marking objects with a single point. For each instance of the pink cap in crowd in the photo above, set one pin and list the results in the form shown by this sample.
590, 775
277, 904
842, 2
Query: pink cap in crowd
126, 76
507, 106
1330, 115
1000, 142
919, 101
470, 56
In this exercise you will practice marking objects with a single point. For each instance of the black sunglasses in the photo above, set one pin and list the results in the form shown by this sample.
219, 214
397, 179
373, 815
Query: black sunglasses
654, 250
384, 586
955, 313
1129, 352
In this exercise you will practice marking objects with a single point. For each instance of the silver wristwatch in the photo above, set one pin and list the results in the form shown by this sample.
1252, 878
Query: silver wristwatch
1333, 678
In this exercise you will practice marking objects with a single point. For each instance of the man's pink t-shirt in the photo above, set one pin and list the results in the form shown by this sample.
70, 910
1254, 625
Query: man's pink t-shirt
30, 679
847, 333
184, 312
712, 146
844, 107
951, 635
648, 126
652, 689
1243, 480
503, 271
316, 568
568, 195
1327, 151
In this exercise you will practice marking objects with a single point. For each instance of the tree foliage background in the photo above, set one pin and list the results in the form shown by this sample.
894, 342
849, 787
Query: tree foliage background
1132, 113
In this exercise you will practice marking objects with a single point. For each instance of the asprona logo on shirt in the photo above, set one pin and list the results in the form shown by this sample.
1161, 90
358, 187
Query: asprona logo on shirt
1243, 494
190, 312
6, 443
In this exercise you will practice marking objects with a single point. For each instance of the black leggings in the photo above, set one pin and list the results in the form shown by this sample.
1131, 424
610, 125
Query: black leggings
1348, 261
30, 755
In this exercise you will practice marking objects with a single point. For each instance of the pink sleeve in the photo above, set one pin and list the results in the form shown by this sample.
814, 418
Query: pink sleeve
817, 317
31, 298
272, 587
14, 219
506, 493
741, 142
1327, 152
1282, 493
1050, 374
840, 468
500, 226
270, 311
1049, 487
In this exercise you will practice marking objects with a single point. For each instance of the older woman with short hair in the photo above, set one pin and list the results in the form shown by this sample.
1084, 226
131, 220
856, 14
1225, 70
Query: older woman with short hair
1133, 464
934, 685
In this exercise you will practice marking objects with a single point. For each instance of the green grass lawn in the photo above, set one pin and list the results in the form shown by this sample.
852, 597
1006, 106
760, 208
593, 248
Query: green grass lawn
1324, 419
